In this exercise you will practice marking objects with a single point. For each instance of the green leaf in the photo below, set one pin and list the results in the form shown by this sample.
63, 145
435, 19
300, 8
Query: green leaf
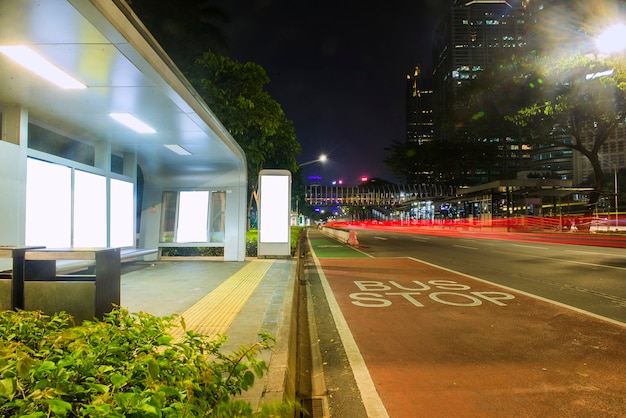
150, 409
247, 380
8, 388
58, 406
105, 369
153, 369
24, 364
98, 387
164, 339
118, 380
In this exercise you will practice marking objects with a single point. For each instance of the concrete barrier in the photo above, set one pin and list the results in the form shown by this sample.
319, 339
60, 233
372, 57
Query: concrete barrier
346, 236
339, 234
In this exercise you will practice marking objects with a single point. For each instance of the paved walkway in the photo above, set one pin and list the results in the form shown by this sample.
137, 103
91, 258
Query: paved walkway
423, 341
236, 299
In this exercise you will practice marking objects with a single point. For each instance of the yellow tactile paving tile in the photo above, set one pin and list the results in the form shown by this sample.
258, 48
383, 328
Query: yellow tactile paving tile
214, 313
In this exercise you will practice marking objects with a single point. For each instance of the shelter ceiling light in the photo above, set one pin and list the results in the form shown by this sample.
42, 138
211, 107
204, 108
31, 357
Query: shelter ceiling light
177, 149
34, 62
133, 123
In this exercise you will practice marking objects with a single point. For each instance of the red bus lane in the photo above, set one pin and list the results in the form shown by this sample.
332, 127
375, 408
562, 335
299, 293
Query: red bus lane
441, 344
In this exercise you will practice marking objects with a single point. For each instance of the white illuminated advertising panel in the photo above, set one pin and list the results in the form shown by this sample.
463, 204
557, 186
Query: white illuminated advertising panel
122, 213
90, 210
193, 217
274, 202
48, 204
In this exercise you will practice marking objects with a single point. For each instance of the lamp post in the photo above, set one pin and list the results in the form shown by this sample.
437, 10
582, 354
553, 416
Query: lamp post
613, 41
321, 159
607, 158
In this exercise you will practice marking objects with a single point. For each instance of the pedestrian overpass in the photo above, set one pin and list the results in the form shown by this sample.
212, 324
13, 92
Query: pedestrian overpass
383, 195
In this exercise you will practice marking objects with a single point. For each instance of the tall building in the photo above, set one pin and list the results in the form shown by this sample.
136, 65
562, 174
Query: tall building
419, 107
473, 35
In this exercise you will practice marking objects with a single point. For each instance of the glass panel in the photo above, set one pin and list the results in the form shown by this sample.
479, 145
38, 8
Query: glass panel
168, 216
50, 142
122, 213
117, 164
48, 204
193, 216
218, 216
90, 210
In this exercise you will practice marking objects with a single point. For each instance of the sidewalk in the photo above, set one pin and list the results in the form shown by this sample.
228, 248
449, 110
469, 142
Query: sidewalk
236, 299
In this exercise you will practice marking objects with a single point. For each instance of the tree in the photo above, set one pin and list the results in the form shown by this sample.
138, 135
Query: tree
575, 102
184, 28
236, 94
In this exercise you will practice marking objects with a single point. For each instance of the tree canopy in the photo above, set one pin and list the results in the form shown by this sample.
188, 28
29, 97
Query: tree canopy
574, 101
184, 28
236, 94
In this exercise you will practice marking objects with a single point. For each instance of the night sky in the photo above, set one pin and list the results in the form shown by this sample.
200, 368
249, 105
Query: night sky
338, 69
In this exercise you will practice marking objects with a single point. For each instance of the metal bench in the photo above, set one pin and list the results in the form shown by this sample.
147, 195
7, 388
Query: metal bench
84, 296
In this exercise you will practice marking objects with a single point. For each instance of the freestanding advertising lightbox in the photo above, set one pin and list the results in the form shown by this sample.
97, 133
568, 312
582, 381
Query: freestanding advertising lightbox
274, 202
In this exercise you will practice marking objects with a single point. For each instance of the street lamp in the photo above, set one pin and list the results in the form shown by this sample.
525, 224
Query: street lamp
612, 40
321, 159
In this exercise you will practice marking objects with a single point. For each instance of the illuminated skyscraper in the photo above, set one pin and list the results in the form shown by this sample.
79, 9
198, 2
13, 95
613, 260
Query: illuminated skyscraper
419, 107
473, 35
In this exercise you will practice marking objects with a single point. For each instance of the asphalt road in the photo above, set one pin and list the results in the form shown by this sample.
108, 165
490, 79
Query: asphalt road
589, 278
422, 325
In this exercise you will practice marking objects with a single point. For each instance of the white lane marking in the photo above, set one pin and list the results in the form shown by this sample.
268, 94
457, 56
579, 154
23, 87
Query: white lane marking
369, 395
521, 292
534, 247
567, 261
381, 238
595, 253
463, 246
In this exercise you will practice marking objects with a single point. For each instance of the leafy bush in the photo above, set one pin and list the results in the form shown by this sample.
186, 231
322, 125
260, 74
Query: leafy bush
252, 242
252, 237
127, 365
192, 251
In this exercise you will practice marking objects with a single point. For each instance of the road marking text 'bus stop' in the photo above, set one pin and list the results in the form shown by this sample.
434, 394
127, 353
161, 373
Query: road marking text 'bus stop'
378, 294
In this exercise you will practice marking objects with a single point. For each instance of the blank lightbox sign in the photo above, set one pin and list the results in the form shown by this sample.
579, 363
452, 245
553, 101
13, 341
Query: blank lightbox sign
274, 204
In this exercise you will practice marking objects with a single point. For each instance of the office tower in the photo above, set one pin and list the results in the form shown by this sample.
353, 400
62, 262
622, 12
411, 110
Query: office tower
419, 107
470, 38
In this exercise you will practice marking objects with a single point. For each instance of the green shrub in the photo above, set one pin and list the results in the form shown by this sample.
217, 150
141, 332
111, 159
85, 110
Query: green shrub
252, 244
127, 365
192, 251
252, 238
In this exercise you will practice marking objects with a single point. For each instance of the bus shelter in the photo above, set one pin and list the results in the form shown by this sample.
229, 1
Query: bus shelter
120, 150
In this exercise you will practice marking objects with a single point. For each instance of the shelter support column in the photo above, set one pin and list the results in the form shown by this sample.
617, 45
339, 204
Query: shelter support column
149, 228
13, 155
235, 224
